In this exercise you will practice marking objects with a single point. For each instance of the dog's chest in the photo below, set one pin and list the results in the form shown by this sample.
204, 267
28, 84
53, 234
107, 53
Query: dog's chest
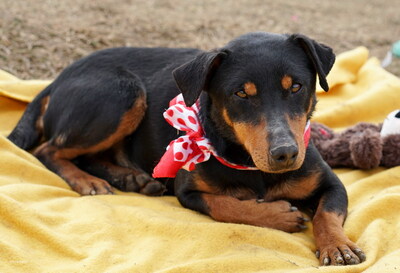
293, 189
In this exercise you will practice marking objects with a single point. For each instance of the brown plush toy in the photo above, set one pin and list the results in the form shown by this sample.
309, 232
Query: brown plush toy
363, 146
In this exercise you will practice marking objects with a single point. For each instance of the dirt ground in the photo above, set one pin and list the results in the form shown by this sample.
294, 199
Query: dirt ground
40, 37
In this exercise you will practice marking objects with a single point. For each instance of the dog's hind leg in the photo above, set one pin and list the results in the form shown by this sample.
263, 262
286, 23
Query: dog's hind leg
57, 161
86, 116
58, 158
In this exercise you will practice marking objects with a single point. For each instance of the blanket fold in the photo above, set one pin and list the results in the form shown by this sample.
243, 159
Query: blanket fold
47, 227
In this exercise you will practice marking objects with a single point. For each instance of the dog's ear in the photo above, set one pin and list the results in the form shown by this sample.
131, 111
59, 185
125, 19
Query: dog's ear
321, 56
194, 76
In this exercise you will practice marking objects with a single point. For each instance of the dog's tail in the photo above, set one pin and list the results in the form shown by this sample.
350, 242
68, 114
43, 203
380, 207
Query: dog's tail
26, 134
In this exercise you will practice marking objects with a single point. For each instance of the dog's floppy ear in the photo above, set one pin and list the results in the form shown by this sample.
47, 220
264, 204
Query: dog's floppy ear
321, 56
194, 76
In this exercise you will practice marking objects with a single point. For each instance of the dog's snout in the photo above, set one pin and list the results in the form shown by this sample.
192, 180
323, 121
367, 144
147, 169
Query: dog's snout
285, 155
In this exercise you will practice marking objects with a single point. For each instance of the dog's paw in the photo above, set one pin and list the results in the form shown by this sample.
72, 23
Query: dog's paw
91, 186
341, 253
283, 216
291, 219
144, 184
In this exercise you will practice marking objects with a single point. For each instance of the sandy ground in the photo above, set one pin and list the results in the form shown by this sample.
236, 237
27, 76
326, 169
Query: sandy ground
40, 37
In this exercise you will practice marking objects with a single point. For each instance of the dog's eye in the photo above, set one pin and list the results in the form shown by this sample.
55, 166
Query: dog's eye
241, 94
296, 87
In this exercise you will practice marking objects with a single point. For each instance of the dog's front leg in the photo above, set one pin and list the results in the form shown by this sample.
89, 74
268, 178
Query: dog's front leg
333, 246
196, 194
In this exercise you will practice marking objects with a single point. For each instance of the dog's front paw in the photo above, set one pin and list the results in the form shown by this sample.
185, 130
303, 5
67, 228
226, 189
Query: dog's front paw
291, 219
340, 253
282, 215
144, 184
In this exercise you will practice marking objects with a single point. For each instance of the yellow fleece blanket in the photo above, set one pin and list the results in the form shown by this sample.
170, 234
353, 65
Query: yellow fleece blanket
46, 227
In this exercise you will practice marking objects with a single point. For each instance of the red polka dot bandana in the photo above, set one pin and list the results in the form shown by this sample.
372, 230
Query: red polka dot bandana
192, 148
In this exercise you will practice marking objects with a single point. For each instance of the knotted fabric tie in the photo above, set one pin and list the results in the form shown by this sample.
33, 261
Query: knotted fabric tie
192, 148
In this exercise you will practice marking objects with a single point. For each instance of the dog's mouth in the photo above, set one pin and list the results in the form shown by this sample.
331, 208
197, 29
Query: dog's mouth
266, 163
285, 154
279, 156
277, 147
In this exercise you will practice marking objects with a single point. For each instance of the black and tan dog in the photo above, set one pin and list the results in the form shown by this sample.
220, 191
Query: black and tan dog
100, 123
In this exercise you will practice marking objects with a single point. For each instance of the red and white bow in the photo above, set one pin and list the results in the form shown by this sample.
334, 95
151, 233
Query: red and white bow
188, 150
192, 148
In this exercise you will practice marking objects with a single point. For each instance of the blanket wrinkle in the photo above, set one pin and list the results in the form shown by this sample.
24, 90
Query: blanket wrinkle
46, 227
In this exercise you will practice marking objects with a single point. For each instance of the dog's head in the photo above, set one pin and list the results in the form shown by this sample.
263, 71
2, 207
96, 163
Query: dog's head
262, 90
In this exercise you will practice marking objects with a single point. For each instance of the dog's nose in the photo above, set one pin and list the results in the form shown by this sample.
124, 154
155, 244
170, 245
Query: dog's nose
285, 155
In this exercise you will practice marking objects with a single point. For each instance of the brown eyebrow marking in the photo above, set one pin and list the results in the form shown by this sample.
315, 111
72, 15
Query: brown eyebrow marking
250, 89
286, 82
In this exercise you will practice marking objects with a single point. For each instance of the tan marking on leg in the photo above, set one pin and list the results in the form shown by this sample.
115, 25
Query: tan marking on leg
294, 189
329, 227
250, 89
276, 214
332, 243
286, 82
129, 122
79, 180
44, 103
297, 126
